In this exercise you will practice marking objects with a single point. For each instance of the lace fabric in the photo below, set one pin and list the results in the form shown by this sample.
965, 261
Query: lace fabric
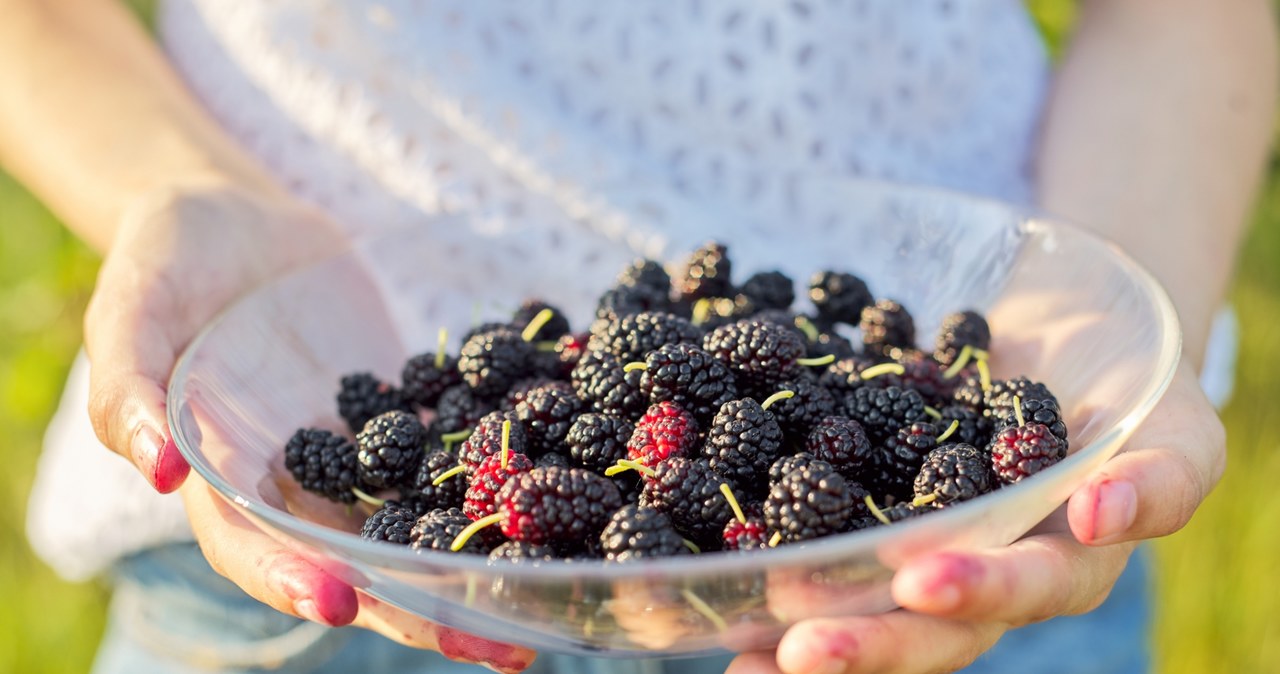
576, 132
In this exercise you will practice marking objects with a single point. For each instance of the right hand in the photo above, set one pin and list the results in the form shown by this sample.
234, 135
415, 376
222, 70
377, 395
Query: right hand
177, 260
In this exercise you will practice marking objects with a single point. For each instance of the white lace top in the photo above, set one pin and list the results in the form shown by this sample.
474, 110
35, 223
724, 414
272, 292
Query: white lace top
648, 126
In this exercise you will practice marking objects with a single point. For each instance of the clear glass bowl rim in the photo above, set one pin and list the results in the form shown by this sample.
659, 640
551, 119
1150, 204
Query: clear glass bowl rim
829, 549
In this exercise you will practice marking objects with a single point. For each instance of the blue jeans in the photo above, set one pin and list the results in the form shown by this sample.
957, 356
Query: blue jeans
172, 614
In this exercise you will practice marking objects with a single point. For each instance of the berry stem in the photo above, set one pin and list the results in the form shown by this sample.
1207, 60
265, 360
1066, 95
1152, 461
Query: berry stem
814, 362
882, 369
450, 439
472, 528
546, 347
693, 547
879, 514
638, 365
441, 337
1017, 411
984, 373
705, 609
448, 474
807, 327
531, 330
775, 539
733, 503
924, 500
963, 359
371, 500
506, 442
937, 416
469, 599
780, 395
624, 465
701, 310
955, 424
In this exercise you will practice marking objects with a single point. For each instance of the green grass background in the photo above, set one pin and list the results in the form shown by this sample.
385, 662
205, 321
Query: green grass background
1217, 609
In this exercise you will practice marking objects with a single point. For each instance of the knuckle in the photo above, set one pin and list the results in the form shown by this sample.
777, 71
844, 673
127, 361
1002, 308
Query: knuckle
1216, 441
104, 411
1190, 487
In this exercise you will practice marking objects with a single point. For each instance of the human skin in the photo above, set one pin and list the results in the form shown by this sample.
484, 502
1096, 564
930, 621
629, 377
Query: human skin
1154, 137
94, 121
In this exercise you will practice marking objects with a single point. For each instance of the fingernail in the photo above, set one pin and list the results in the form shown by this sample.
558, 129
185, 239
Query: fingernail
145, 449
307, 609
1114, 511
171, 469
952, 574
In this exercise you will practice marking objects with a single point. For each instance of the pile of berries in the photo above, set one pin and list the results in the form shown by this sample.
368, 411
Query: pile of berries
694, 415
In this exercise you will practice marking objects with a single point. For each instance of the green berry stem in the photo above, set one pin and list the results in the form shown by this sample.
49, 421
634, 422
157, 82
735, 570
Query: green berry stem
693, 547
638, 365
814, 362
546, 346
1017, 411
780, 395
506, 441
469, 599
937, 416
807, 327
471, 530
775, 539
924, 500
450, 439
955, 424
984, 373
371, 500
879, 514
624, 465
448, 474
963, 359
705, 609
882, 369
733, 503
441, 337
531, 330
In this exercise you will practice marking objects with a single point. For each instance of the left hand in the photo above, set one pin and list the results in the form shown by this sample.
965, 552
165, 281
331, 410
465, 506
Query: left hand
956, 605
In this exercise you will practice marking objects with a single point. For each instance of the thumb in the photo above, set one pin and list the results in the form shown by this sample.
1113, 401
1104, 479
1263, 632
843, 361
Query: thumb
130, 356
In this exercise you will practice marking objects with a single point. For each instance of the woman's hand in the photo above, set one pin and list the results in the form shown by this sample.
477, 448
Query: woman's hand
177, 260
956, 605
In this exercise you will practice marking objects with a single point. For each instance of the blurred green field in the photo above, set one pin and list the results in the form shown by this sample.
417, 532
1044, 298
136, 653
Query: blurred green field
1216, 608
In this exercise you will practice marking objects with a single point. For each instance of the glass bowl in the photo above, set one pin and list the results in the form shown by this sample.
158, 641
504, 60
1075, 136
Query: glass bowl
1065, 308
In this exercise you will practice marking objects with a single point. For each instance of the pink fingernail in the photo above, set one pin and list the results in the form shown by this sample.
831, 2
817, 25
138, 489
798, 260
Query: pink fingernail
954, 573
145, 449
1115, 510
462, 647
171, 469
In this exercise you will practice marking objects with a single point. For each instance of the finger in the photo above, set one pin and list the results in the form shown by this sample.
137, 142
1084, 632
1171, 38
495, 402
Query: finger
1155, 485
262, 567
1032, 580
415, 632
760, 662
130, 357
900, 641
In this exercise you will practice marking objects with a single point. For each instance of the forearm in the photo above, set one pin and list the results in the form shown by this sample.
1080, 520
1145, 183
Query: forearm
1156, 136
92, 117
